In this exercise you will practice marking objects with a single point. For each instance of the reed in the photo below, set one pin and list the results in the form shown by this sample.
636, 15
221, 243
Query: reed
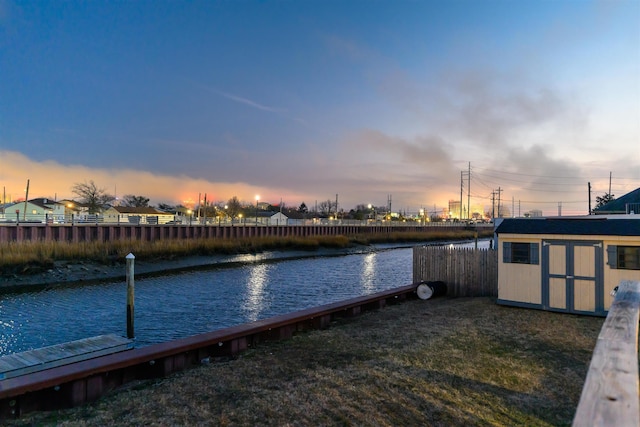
34, 256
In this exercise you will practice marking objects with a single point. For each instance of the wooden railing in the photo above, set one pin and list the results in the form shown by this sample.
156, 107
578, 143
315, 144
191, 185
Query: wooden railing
610, 393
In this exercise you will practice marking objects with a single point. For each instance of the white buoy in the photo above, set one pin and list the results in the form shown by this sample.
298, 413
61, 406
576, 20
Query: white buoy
424, 291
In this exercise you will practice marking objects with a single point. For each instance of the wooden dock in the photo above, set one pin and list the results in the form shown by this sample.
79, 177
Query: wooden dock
17, 364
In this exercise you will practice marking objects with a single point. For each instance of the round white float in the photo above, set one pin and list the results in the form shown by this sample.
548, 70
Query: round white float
424, 291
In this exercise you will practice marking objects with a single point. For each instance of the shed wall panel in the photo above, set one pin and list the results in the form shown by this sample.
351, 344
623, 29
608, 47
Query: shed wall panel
584, 295
557, 293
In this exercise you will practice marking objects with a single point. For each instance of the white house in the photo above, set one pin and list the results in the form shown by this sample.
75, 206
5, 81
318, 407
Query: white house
39, 210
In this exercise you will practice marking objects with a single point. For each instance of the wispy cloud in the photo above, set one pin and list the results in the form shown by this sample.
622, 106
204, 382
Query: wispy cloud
249, 102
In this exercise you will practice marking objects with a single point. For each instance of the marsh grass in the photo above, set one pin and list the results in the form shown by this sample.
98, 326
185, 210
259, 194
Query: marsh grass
440, 362
31, 257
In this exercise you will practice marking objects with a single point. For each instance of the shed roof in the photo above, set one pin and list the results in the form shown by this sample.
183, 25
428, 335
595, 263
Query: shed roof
142, 210
585, 226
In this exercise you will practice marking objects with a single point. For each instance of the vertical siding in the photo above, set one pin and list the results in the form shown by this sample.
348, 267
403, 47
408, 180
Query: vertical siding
467, 272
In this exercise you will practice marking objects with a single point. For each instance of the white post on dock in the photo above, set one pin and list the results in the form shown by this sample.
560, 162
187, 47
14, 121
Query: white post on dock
130, 294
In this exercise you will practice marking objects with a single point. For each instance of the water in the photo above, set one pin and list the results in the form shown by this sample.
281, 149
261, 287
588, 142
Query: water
179, 305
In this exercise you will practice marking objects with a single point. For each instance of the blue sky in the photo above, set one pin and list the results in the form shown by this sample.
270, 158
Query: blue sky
304, 100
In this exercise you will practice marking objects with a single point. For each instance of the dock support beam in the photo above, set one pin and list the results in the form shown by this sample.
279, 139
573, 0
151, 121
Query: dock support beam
130, 295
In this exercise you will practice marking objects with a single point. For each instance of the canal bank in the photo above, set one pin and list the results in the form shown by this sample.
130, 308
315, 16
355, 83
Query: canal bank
79, 272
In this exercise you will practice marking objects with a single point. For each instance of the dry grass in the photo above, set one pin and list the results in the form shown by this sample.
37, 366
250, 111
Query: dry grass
437, 362
32, 257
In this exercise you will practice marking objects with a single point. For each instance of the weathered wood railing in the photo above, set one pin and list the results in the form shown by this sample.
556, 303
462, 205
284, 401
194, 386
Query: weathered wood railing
467, 272
610, 393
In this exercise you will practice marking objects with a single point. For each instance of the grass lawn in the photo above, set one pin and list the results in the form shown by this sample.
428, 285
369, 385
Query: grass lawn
442, 362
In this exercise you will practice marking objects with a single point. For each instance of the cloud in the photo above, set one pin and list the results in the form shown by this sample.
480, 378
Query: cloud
54, 180
249, 102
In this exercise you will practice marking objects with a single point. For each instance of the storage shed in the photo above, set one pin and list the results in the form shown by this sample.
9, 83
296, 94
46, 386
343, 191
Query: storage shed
566, 264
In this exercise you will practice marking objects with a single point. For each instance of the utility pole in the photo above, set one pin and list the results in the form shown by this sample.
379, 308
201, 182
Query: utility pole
26, 198
589, 186
336, 205
469, 192
461, 185
493, 205
609, 185
513, 206
499, 191
559, 208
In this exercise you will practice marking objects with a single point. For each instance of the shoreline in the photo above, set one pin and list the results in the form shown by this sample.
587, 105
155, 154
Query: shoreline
77, 273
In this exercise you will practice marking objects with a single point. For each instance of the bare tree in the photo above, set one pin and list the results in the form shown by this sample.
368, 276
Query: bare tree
95, 198
135, 201
326, 207
233, 207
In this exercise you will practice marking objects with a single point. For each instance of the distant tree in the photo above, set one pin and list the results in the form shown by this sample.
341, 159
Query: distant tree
303, 208
135, 201
95, 198
166, 207
234, 207
601, 201
326, 207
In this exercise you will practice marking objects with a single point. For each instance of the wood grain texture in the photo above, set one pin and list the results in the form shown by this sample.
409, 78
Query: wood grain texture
610, 393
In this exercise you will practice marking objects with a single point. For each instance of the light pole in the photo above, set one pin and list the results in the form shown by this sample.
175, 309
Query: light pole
257, 199
373, 210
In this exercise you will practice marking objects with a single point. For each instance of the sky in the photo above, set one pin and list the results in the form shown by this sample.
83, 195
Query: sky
300, 101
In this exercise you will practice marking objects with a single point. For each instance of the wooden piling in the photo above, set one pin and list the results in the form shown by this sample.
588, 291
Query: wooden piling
130, 294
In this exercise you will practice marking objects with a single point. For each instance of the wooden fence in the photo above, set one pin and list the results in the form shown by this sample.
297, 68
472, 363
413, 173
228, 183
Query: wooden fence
610, 392
467, 272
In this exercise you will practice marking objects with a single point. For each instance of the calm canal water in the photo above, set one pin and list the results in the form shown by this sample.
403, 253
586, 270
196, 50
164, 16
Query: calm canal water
179, 305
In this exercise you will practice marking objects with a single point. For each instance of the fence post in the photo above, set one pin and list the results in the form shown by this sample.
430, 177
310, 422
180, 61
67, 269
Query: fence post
130, 294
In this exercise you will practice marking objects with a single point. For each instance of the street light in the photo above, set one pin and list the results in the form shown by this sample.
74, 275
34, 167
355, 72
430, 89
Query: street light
373, 209
257, 199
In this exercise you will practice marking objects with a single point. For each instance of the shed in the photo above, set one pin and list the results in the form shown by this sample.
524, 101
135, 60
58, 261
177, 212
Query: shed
566, 264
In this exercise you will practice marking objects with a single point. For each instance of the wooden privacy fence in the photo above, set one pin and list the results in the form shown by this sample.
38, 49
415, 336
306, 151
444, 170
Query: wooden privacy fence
467, 272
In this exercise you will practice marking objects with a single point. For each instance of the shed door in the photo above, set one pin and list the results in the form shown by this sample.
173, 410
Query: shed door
572, 276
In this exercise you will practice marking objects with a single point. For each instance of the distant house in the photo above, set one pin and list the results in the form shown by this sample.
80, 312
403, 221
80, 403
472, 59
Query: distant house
38, 210
75, 211
627, 204
566, 264
136, 215
268, 218
278, 219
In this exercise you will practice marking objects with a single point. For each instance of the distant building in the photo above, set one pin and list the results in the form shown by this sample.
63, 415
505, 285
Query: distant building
136, 215
625, 205
38, 210
533, 213
454, 209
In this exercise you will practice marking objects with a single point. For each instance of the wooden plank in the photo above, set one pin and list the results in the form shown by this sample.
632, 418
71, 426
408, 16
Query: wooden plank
610, 393
39, 359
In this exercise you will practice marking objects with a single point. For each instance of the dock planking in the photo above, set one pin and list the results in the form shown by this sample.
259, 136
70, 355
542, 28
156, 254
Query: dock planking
26, 362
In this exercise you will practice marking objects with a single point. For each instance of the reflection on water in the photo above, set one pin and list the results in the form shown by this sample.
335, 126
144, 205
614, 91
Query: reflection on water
179, 305
254, 296
368, 272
